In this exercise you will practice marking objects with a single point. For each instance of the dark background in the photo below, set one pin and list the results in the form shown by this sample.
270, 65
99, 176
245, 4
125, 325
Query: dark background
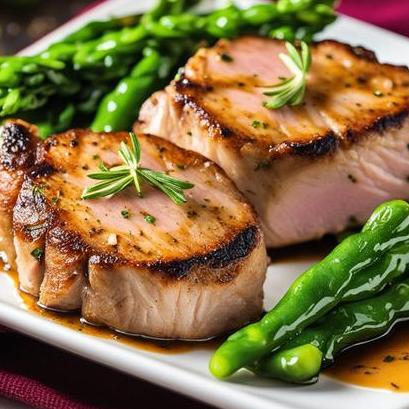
24, 21
21, 23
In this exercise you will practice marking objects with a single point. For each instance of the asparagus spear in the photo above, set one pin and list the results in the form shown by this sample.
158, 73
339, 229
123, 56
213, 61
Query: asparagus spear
100, 54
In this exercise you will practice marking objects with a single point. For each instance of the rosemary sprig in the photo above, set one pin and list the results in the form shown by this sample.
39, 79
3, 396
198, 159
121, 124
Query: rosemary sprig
291, 90
118, 178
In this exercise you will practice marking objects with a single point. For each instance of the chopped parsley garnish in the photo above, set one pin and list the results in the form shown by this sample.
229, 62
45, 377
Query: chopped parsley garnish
264, 164
56, 198
37, 253
258, 124
38, 190
125, 213
150, 219
226, 57
388, 358
179, 74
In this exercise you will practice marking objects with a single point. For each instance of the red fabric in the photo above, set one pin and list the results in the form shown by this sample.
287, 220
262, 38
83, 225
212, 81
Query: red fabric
390, 14
45, 377
35, 394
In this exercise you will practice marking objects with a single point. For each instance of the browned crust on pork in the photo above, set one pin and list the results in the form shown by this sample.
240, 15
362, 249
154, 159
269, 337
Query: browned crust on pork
188, 95
19, 144
225, 253
17, 155
35, 217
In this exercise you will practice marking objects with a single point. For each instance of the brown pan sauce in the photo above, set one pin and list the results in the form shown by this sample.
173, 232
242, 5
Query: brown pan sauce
380, 364
74, 322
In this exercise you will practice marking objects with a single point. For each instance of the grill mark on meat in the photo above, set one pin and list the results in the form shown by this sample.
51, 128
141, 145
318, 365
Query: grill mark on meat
238, 248
357, 50
66, 241
207, 120
386, 122
189, 93
42, 170
317, 146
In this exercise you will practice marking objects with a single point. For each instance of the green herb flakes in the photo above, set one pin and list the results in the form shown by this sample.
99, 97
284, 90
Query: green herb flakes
150, 219
388, 358
37, 253
226, 57
258, 124
125, 213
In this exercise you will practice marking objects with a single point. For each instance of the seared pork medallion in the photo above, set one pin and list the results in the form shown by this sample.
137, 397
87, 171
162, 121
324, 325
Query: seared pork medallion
141, 264
311, 169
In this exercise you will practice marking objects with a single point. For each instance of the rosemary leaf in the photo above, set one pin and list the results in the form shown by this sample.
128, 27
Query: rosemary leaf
118, 178
290, 91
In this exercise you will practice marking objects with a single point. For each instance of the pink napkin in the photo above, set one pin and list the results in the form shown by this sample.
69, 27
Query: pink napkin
45, 377
390, 14
33, 393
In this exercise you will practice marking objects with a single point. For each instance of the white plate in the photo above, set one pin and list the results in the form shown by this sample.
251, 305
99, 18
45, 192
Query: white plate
187, 373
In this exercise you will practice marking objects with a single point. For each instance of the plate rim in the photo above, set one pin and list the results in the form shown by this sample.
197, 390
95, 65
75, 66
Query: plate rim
185, 381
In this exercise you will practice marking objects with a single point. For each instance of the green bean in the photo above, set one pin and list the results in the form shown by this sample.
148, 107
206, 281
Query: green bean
291, 6
35, 80
118, 109
343, 327
286, 33
90, 98
60, 52
169, 7
381, 273
115, 112
260, 14
18, 62
300, 364
127, 40
318, 290
17, 100
224, 23
65, 49
95, 29
56, 121
102, 53
174, 26
9, 77
13, 70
